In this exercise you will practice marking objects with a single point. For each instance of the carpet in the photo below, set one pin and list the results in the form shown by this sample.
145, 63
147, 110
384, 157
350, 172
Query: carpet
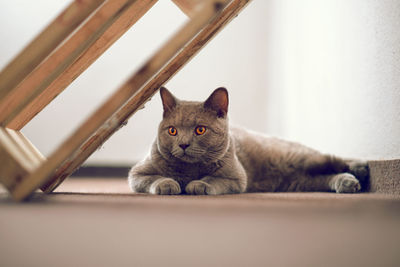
99, 222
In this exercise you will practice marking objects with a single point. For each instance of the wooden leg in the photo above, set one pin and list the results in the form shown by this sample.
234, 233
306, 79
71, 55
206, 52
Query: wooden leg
68, 61
19, 68
18, 158
189, 7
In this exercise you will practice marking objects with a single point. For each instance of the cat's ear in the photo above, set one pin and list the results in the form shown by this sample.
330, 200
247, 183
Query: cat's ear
168, 100
218, 101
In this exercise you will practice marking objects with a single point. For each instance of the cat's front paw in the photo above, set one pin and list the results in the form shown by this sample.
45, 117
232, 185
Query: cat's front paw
165, 186
347, 183
198, 187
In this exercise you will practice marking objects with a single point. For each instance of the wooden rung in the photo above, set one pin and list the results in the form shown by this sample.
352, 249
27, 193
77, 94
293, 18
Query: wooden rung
189, 7
102, 29
45, 43
18, 158
118, 99
101, 135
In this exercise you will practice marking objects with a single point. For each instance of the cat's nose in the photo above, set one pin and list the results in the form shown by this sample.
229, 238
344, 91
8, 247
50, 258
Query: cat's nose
184, 146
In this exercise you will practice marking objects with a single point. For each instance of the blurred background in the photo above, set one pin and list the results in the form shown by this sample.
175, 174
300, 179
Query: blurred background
323, 73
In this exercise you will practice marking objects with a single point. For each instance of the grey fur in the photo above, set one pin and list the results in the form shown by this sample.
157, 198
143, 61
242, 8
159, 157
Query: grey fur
228, 160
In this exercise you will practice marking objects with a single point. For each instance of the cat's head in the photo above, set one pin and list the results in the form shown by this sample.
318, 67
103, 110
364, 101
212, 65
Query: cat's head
194, 131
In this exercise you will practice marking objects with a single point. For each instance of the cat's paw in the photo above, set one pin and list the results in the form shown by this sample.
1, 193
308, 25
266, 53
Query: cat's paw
360, 170
346, 183
198, 187
165, 186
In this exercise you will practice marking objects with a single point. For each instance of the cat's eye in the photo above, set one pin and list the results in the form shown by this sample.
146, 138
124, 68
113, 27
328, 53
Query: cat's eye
172, 131
200, 130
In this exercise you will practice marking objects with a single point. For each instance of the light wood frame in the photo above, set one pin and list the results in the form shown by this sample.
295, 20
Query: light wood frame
73, 50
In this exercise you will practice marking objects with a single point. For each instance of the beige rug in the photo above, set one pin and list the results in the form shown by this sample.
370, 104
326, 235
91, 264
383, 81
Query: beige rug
98, 222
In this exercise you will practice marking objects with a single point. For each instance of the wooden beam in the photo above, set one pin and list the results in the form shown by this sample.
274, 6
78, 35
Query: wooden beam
53, 81
100, 118
189, 7
54, 67
45, 43
135, 103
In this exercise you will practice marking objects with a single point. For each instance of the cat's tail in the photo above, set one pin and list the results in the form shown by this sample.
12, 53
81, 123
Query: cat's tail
325, 164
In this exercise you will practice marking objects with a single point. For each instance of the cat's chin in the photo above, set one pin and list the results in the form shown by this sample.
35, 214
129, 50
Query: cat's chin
187, 158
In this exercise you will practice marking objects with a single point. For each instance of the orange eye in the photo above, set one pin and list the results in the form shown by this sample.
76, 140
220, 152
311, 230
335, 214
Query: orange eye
172, 131
200, 130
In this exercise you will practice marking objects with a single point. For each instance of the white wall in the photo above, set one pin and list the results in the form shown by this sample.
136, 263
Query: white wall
325, 73
338, 75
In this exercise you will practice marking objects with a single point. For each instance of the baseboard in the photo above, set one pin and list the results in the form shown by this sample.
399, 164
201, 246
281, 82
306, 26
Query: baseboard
102, 171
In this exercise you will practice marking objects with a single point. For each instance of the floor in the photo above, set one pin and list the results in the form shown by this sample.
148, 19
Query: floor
98, 222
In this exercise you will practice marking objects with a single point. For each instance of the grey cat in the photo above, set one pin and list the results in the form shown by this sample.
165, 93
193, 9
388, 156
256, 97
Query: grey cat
197, 152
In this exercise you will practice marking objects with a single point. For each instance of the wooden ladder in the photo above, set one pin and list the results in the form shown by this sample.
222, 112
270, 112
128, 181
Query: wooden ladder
60, 53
